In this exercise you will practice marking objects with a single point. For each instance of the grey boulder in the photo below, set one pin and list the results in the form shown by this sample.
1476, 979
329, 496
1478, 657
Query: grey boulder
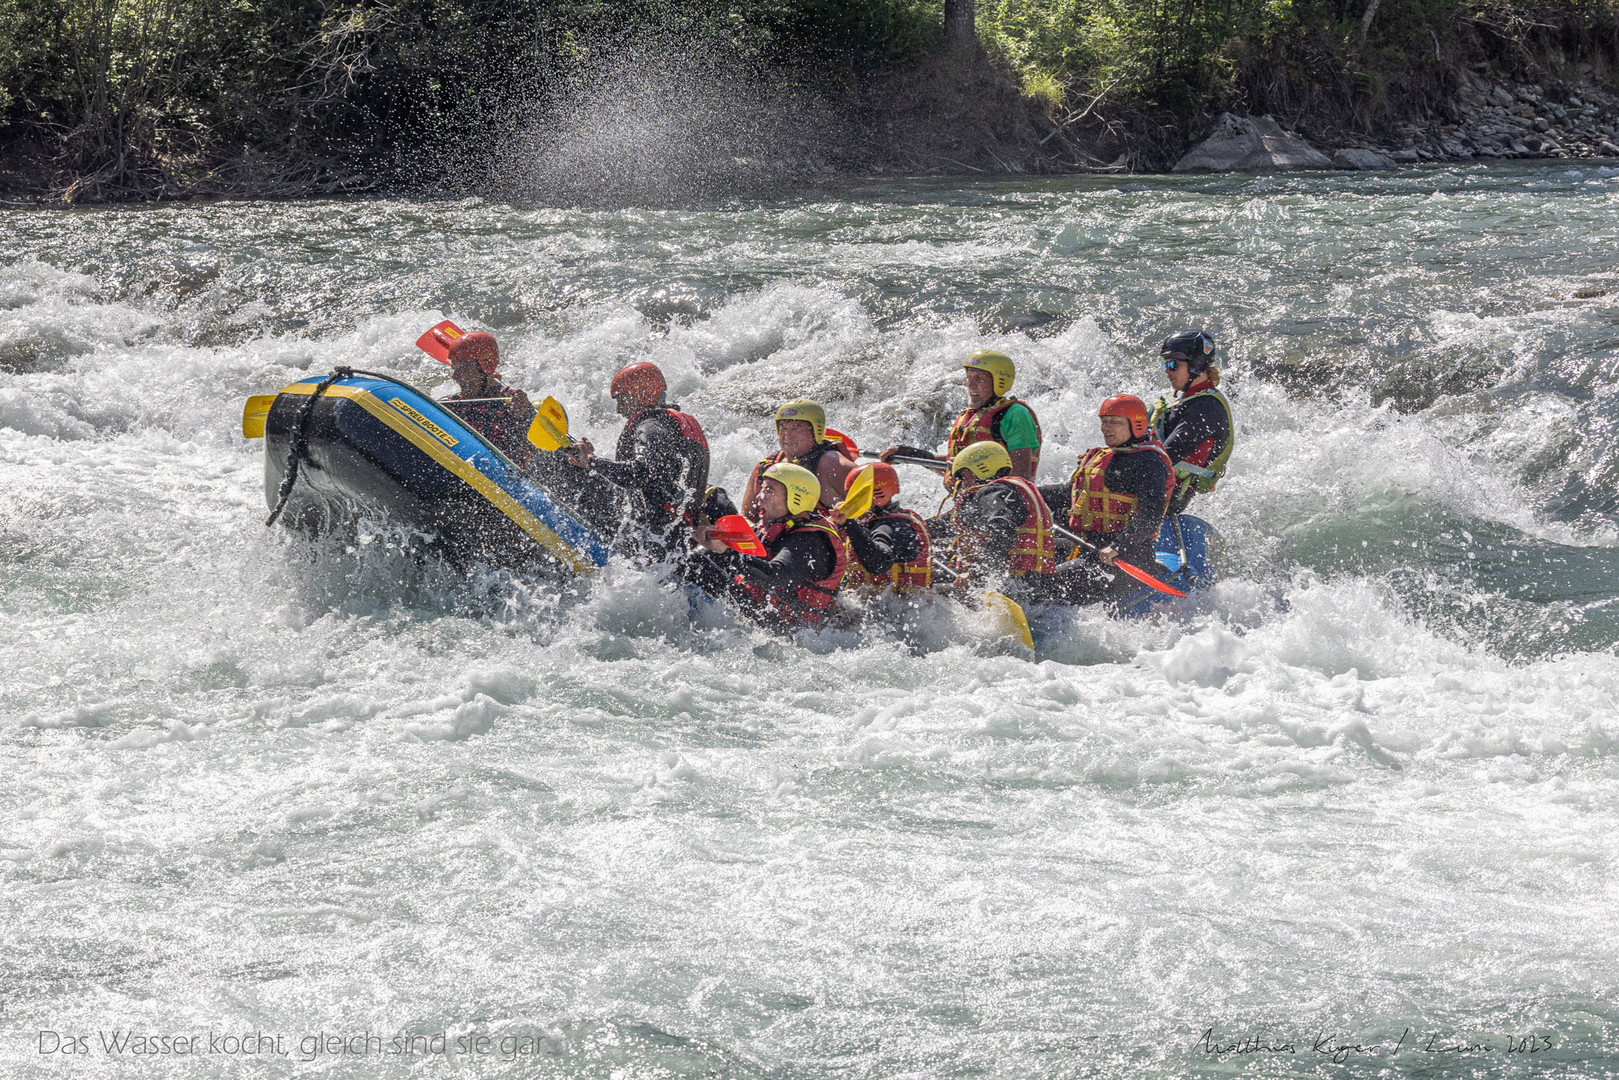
1353, 158
1246, 144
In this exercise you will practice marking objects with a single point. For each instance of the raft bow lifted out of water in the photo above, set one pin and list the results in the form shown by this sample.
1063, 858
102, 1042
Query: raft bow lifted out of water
359, 445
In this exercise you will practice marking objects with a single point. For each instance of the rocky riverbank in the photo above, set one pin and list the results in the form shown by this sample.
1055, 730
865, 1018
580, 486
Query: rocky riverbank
670, 136
1487, 120
1494, 120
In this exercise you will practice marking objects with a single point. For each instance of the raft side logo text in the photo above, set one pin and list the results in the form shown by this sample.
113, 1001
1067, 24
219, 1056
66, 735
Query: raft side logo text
439, 433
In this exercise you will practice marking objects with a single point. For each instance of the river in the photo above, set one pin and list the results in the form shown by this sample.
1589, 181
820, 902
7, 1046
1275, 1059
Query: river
1365, 791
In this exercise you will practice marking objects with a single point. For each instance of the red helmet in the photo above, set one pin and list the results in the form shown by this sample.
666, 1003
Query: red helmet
479, 346
643, 382
884, 483
1131, 408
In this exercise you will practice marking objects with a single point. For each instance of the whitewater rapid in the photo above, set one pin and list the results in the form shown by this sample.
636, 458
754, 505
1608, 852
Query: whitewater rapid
1366, 791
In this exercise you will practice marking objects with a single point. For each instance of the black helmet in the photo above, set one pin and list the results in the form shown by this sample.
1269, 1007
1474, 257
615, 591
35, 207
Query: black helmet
1196, 347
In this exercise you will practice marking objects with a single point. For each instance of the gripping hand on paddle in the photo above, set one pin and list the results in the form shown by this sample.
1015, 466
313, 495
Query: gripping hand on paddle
888, 452
580, 453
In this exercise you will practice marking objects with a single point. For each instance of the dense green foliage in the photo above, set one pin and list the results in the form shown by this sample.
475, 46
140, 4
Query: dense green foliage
126, 93
133, 97
1190, 54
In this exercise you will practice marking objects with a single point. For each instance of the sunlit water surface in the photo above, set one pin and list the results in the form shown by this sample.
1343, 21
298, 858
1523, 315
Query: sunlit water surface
1366, 790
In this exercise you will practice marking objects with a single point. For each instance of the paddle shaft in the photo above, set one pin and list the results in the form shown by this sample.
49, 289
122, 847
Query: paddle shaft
455, 402
1134, 571
925, 462
1075, 537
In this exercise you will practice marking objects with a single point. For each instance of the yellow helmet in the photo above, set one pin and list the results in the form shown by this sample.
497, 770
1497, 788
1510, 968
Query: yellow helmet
805, 409
803, 489
997, 364
985, 460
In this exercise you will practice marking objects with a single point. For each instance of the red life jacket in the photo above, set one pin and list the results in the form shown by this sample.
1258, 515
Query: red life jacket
1092, 507
810, 461
805, 604
903, 577
1033, 552
690, 429
504, 423
696, 453
984, 425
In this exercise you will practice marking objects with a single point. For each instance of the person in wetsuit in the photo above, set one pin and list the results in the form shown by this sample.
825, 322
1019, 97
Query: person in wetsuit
990, 416
889, 544
500, 413
1197, 430
1000, 527
661, 466
1115, 501
794, 582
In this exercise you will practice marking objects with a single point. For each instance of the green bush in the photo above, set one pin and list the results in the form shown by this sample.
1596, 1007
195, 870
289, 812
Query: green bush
135, 96
131, 93
1185, 55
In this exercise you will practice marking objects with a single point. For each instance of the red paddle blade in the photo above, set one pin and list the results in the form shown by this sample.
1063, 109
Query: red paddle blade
848, 443
734, 532
1146, 578
437, 341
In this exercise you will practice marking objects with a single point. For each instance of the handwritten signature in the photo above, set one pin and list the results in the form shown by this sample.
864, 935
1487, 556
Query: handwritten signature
1340, 1048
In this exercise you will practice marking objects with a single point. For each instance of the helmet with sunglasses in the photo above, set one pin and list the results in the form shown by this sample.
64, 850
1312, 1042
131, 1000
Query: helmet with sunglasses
1195, 347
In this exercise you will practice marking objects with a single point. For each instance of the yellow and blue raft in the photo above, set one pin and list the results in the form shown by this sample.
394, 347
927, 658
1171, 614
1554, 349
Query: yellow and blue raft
357, 445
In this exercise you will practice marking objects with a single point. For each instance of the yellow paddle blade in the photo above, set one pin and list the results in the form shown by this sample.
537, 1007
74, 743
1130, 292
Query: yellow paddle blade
1015, 623
549, 431
254, 413
857, 499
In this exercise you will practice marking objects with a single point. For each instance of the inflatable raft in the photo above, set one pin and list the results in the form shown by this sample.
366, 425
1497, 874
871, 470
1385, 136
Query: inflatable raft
360, 445
1188, 551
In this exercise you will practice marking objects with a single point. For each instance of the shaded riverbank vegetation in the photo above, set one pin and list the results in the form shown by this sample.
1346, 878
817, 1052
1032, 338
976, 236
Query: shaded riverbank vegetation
120, 99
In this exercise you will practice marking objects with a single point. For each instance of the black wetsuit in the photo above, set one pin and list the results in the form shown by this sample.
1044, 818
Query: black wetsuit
886, 540
995, 512
1083, 579
799, 558
1195, 430
664, 474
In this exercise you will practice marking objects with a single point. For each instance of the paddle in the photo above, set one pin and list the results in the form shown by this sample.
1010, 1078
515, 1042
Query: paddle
1016, 623
734, 532
1012, 615
437, 341
255, 411
1134, 571
902, 459
857, 497
549, 431
848, 443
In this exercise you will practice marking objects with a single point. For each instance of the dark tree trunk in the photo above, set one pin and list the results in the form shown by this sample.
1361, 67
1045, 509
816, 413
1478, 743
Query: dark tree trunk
960, 31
